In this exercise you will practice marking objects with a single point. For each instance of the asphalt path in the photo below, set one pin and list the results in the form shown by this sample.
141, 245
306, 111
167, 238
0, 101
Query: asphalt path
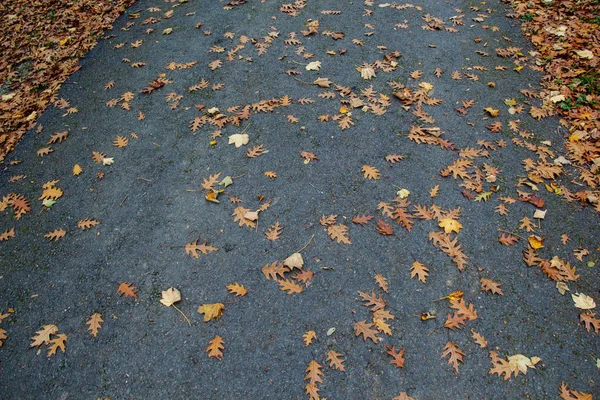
149, 200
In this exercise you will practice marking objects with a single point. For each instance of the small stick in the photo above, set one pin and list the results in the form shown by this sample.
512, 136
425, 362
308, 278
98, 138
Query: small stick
123, 201
144, 179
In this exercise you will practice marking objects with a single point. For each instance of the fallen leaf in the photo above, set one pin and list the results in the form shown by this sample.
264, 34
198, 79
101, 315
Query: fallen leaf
313, 66
94, 324
239, 139
308, 337
170, 297
237, 289
211, 311
127, 289
583, 301
450, 225
214, 348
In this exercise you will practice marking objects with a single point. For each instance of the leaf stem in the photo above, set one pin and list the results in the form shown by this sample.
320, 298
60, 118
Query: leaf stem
307, 243
181, 312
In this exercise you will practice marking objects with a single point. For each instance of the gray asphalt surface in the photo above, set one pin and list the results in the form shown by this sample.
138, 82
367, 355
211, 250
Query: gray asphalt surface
149, 204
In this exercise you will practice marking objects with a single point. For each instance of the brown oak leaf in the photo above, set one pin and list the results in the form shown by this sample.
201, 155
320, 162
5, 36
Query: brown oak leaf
94, 324
454, 354
127, 289
339, 233
214, 348
397, 356
366, 329
192, 248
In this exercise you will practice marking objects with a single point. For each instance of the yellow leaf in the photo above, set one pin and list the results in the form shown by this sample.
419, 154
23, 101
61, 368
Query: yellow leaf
450, 225
535, 242
77, 170
491, 111
211, 311
403, 193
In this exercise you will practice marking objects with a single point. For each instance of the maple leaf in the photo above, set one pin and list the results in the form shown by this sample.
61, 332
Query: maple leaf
420, 271
127, 289
382, 282
479, 339
43, 335
570, 394
211, 311
308, 337
274, 231
237, 289
397, 356
488, 285
56, 343
370, 172
335, 360
238, 139
87, 223
289, 286
77, 170
170, 297
507, 239
240, 217
365, 329
384, 228
339, 233
94, 324
7, 234
214, 348
589, 320
454, 354
192, 248
55, 234
450, 225
271, 174
272, 271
